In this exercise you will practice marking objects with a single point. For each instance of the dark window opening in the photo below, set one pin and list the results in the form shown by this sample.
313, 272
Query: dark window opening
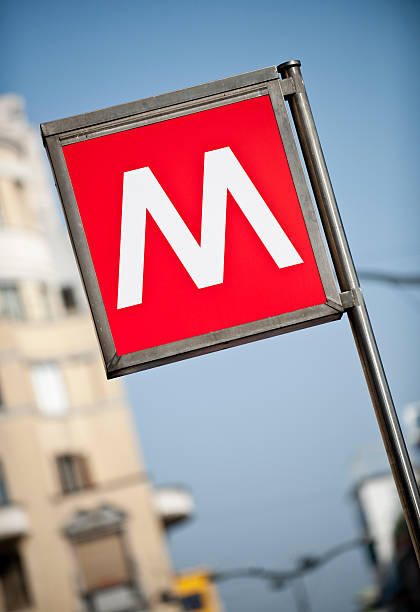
69, 299
4, 495
14, 591
10, 302
74, 473
192, 602
2, 405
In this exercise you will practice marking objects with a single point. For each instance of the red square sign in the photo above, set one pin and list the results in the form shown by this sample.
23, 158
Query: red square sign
194, 227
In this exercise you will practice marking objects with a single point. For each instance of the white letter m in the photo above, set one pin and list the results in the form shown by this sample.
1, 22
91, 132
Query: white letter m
204, 262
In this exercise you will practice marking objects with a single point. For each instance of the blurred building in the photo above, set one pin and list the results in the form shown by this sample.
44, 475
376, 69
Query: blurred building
412, 423
79, 523
390, 551
376, 495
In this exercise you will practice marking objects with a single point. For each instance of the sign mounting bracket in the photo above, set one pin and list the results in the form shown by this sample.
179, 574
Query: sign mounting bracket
347, 299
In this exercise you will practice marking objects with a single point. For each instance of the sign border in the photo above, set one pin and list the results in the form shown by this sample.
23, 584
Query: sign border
56, 134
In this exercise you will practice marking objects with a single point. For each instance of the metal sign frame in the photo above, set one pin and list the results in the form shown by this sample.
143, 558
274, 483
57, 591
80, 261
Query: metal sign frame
57, 134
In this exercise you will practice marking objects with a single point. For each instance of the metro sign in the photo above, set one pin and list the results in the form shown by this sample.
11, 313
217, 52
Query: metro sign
191, 221
204, 262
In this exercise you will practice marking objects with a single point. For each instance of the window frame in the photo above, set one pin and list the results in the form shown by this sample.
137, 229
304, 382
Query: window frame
43, 373
90, 586
73, 473
24, 591
71, 305
4, 488
8, 288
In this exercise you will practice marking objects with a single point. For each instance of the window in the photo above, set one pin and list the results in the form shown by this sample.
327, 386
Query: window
14, 592
4, 496
73, 473
10, 302
103, 562
49, 389
69, 299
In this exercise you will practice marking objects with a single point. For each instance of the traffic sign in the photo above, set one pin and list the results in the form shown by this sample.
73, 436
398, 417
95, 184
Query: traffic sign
191, 221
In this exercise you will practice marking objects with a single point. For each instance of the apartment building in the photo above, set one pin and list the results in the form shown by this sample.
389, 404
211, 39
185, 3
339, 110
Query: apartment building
79, 528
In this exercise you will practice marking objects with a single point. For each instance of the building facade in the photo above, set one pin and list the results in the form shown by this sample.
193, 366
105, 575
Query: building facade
79, 528
388, 546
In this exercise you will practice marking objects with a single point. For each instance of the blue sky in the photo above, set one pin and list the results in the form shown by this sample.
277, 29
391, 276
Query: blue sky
264, 435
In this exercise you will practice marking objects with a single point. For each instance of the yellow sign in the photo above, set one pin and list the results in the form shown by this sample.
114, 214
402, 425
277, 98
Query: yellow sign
196, 592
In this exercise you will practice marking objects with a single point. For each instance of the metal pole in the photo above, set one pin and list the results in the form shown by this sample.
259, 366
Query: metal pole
359, 319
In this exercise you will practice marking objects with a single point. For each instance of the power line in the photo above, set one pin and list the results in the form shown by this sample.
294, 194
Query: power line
280, 579
392, 278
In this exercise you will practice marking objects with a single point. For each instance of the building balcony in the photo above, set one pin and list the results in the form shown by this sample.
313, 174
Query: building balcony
120, 598
25, 255
13, 522
173, 505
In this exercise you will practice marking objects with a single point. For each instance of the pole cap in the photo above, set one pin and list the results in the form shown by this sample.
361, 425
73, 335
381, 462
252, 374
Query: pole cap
281, 68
